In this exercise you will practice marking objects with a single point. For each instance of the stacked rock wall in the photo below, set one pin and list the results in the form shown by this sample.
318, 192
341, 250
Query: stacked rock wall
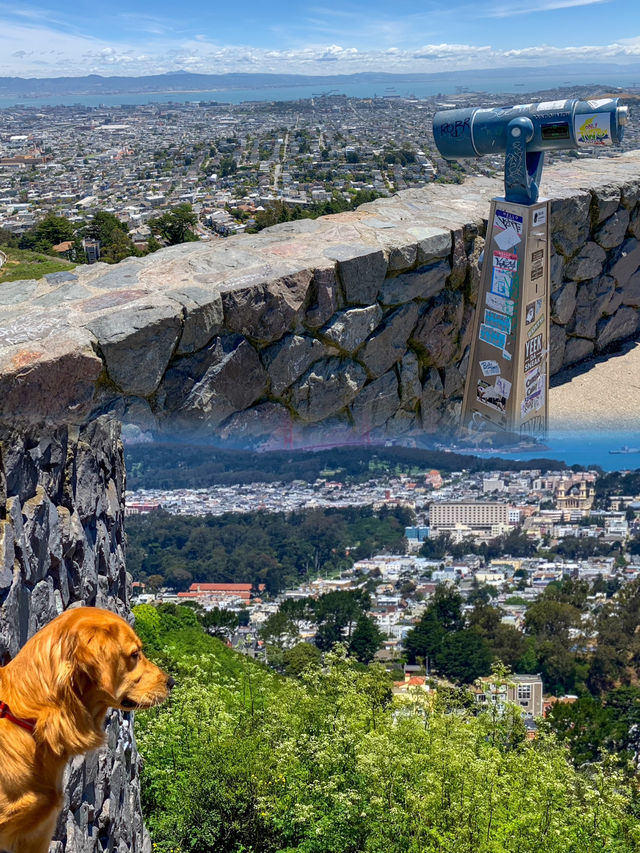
62, 544
595, 270
359, 322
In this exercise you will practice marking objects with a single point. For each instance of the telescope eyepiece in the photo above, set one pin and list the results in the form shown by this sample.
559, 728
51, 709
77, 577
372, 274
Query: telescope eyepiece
622, 114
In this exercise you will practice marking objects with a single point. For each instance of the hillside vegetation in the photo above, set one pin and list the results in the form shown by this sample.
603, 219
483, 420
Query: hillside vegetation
243, 761
25, 264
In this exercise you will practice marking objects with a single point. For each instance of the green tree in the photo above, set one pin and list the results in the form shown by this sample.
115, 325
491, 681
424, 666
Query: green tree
299, 658
365, 640
175, 226
47, 233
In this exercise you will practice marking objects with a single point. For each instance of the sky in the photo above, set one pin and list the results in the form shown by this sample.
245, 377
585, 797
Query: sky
78, 37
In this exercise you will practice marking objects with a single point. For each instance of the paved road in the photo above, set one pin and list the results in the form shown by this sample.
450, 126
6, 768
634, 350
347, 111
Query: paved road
600, 394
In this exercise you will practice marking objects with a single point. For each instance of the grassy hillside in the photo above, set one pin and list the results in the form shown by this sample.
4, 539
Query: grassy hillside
22, 263
242, 761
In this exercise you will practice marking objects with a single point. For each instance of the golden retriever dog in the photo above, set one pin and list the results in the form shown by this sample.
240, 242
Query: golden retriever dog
54, 697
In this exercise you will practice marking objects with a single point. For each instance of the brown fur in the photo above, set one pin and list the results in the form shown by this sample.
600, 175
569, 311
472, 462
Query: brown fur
65, 678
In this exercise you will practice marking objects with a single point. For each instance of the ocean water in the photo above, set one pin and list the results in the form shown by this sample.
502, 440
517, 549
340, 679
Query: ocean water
513, 81
588, 450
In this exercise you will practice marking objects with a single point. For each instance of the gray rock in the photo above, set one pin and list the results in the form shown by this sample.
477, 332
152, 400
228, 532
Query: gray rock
322, 298
569, 224
605, 202
557, 344
556, 267
17, 292
349, 329
265, 310
434, 246
432, 402
459, 260
631, 292
630, 194
592, 301
7, 555
376, 403
410, 387
453, 382
634, 224
611, 232
213, 384
327, 387
203, 317
627, 263
438, 332
422, 283
361, 269
588, 263
266, 420
563, 303
137, 344
622, 324
289, 358
577, 349
388, 345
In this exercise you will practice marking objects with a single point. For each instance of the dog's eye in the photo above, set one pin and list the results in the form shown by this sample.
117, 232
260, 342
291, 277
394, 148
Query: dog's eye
135, 656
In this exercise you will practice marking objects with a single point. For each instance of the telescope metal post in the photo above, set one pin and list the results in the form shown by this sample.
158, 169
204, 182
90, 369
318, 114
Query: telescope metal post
507, 384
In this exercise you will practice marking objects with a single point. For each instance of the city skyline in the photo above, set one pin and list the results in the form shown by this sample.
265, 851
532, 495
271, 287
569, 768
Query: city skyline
325, 38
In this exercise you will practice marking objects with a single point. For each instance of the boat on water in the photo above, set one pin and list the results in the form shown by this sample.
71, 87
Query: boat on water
626, 449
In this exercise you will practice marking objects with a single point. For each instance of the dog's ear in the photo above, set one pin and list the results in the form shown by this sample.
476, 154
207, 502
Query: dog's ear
67, 669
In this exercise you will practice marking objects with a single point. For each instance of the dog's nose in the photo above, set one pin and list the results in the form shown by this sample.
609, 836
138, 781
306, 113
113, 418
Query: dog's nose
171, 683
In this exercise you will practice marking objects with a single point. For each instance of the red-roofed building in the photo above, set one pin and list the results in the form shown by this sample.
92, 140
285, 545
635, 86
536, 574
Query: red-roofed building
219, 591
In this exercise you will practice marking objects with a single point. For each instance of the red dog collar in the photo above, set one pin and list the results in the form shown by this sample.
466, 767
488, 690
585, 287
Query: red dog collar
5, 714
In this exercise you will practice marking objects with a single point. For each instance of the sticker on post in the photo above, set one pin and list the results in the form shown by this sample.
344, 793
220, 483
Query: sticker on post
507, 228
531, 332
503, 386
497, 321
533, 352
505, 261
540, 216
493, 337
501, 282
490, 396
546, 106
489, 367
593, 129
500, 303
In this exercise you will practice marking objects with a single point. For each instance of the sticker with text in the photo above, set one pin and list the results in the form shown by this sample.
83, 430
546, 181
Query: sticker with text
533, 352
593, 129
540, 216
531, 332
507, 229
501, 281
493, 337
489, 367
499, 303
497, 321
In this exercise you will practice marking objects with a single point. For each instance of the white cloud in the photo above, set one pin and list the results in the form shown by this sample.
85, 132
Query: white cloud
40, 50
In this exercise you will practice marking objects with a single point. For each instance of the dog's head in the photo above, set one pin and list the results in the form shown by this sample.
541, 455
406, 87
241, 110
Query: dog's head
77, 667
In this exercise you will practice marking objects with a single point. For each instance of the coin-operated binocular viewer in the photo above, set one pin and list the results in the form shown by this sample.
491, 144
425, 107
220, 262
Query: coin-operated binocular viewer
508, 376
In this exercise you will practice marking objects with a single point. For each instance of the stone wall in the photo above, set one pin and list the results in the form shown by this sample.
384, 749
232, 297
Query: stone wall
358, 322
61, 544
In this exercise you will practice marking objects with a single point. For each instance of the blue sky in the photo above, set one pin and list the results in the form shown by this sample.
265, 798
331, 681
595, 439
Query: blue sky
71, 37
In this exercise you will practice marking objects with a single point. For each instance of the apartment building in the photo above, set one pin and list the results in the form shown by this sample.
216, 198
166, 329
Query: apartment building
468, 518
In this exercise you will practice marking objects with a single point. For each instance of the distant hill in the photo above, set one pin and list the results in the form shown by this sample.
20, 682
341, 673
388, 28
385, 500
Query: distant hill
185, 81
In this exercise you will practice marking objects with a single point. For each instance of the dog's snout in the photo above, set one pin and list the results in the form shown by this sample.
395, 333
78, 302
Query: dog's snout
171, 683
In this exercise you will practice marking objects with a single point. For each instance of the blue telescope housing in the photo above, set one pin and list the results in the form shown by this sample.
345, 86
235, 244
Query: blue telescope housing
525, 132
